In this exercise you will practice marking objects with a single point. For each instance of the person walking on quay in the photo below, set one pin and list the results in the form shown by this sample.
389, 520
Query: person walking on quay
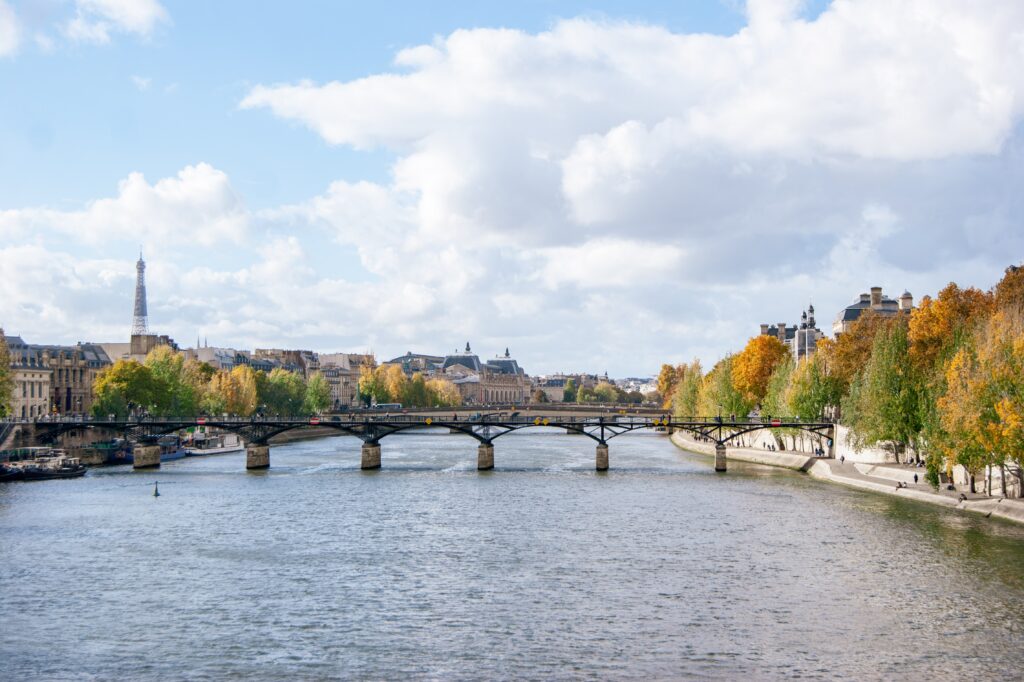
915, 479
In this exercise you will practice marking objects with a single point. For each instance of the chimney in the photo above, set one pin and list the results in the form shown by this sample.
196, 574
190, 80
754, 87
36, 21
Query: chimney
782, 332
764, 329
876, 296
906, 301
864, 298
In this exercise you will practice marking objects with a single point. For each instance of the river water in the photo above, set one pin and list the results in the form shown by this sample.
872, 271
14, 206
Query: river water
540, 569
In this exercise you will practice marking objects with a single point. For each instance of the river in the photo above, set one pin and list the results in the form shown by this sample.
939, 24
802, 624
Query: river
540, 569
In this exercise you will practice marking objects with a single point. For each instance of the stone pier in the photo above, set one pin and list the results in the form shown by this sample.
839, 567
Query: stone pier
719, 456
257, 457
371, 456
602, 457
146, 456
485, 457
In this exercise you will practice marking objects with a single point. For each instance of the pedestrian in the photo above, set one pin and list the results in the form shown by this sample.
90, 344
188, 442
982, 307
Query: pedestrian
842, 459
915, 479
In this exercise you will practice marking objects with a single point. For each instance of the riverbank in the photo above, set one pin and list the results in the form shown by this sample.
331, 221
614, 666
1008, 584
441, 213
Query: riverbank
878, 478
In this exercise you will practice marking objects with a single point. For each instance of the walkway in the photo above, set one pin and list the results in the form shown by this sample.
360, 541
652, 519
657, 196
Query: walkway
880, 478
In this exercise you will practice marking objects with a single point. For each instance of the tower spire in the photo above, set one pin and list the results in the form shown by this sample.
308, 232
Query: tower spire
140, 324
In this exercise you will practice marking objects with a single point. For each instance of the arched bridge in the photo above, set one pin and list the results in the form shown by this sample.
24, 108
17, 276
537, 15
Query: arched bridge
371, 428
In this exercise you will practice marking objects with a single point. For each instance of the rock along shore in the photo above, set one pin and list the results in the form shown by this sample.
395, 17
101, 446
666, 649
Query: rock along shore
876, 478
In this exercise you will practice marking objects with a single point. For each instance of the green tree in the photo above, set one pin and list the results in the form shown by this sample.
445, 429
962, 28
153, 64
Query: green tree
318, 394
811, 390
884, 407
415, 392
569, 394
685, 400
122, 387
177, 383
285, 393
775, 402
6, 378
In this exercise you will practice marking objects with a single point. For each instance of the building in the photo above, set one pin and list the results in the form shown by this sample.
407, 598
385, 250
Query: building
54, 379
500, 380
341, 370
801, 339
875, 301
304, 362
418, 363
31, 377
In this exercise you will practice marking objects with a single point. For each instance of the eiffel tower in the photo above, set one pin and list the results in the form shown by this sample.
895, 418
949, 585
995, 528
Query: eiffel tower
140, 325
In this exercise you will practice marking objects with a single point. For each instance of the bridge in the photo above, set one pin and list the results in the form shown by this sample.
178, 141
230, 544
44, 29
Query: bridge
371, 427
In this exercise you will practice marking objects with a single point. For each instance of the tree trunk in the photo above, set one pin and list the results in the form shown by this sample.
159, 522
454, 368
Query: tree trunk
1020, 481
1002, 478
988, 480
971, 479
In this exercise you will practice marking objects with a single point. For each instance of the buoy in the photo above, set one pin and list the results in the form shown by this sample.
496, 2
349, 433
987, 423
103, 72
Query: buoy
156, 489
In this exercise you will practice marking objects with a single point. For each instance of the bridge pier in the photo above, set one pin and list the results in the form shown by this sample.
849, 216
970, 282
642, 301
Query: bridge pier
257, 457
602, 457
720, 457
485, 457
145, 456
371, 456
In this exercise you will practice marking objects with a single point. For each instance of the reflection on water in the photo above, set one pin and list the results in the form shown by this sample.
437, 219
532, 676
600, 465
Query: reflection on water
541, 568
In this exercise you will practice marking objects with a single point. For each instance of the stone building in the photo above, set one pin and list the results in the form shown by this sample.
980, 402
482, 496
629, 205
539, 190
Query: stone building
875, 301
306, 361
418, 363
341, 370
65, 373
31, 377
801, 339
500, 380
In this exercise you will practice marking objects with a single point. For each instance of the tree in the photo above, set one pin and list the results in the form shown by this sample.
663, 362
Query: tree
753, 366
285, 393
415, 394
539, 396
776, 401
886, 406
847, 355
177, 383
443, 393
318, 394
718, 395
667, 378
938, 326
811, 390
605, 392
6, 378
122, 387
1009, 292
569, 394
686, 398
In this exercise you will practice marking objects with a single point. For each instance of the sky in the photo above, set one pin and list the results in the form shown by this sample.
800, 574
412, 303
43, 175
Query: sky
597, 186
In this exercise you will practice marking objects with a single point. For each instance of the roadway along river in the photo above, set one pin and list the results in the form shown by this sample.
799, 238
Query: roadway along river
539, 569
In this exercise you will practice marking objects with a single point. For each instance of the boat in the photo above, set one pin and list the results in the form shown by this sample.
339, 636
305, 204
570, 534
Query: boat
42, 467
214, 444
170, 448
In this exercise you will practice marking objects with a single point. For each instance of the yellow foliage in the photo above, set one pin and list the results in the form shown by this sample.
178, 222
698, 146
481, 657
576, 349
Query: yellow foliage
753, 366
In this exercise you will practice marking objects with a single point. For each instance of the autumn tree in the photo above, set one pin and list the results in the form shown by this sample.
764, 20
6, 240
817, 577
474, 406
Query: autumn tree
718, 394
938, 326
605, 392
1009, 292
849, 353
443, 393
539, 396
667, 378
753, 367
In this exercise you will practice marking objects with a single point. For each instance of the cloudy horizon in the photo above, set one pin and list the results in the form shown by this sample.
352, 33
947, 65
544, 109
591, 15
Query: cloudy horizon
603, 190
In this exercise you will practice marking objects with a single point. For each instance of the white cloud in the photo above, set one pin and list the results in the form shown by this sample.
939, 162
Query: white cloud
95, 20
142, 83
196, 207
10, 30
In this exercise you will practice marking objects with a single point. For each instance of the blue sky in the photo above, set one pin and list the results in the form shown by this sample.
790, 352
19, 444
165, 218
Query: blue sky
598, 186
